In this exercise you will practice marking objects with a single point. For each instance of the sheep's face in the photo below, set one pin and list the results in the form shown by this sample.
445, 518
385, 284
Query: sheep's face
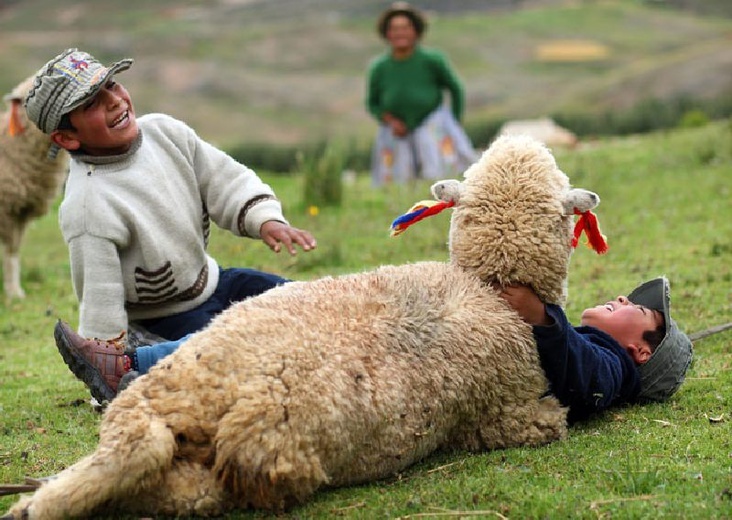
514, 217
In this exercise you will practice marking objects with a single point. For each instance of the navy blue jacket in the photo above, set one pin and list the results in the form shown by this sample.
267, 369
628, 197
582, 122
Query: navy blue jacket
588, 370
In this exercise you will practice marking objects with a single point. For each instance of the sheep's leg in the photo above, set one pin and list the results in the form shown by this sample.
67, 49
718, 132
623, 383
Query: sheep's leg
263, 460
531, 423
548, 423
11, 265
130, 459
188, 488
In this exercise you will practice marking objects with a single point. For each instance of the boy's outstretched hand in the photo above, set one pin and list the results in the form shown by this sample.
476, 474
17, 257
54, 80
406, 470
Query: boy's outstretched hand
275, 234
526, 303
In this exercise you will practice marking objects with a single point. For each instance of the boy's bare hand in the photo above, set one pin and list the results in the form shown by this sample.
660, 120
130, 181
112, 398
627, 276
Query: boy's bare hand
526, 303
275, 234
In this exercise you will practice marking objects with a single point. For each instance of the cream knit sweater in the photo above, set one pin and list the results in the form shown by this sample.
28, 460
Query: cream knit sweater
137, 225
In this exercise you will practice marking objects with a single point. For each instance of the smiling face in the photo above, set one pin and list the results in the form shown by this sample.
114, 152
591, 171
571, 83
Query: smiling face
104, 125
401, 34
625, 322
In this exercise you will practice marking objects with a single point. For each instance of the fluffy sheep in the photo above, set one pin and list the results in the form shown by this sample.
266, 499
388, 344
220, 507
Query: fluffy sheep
29, 181
348, 379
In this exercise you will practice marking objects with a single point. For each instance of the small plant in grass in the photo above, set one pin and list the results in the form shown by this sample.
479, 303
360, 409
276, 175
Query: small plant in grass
322, 172
630, 478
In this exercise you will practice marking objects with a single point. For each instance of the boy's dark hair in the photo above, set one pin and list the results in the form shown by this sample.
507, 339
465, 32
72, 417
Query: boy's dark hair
655, 337
65, 123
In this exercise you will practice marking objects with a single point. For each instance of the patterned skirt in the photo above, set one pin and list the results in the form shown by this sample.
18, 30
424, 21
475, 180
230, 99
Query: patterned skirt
437, 149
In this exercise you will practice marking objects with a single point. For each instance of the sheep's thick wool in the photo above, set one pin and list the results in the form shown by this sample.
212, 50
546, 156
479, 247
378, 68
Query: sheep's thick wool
348, 379
510, 225
29, 181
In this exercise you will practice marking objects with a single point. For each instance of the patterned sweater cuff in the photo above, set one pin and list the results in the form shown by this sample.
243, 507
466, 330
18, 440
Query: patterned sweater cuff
256, 212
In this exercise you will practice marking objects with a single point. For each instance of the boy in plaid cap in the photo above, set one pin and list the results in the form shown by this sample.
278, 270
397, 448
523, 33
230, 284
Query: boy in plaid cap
625, 351
136, 212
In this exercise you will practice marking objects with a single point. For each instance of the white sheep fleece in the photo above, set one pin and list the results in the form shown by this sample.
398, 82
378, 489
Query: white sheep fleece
347, 379
29, 182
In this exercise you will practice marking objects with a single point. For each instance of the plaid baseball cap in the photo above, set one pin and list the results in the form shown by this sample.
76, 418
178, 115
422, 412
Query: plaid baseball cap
664, 372
65, 83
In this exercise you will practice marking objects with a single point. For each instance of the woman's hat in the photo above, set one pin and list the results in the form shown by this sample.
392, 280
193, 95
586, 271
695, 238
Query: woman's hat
401, 8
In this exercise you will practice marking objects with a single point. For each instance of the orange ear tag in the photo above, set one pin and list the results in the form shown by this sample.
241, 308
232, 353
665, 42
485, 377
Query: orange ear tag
15, 127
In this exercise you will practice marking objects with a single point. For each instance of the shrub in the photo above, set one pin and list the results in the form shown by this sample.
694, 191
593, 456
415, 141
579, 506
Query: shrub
322, 171
647, 116
693, 119
264, 156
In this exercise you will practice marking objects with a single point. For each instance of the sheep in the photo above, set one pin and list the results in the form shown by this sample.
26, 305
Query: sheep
347, 379
30, 179
544, 129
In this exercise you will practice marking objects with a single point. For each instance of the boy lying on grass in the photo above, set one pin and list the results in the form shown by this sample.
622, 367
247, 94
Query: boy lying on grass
627, 350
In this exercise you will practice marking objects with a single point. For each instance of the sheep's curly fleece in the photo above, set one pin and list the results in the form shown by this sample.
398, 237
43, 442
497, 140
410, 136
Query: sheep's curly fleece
29, 182
510, 225
329, 383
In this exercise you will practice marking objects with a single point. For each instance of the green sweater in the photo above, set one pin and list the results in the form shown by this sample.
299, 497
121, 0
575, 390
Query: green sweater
411, 89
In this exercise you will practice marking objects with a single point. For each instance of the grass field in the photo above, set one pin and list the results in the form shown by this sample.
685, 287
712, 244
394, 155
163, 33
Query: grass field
666, 209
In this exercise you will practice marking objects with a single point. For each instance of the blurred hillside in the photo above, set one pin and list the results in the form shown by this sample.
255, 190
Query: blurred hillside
292, 71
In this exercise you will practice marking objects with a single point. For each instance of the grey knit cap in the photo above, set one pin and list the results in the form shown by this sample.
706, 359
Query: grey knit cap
65, 83
664, 372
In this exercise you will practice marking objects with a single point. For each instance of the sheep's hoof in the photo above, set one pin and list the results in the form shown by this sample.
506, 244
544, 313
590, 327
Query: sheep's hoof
14, 293
18, 513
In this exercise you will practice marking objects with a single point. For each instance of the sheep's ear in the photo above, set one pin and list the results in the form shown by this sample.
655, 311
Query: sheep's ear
448, 190
580, 200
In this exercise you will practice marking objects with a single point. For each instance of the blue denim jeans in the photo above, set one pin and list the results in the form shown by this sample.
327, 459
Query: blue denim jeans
235, 284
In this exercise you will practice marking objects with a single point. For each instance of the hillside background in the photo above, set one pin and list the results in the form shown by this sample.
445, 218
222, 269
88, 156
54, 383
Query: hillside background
287, 72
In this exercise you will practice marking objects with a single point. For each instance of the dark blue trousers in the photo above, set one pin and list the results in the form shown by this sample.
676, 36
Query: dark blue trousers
235, 284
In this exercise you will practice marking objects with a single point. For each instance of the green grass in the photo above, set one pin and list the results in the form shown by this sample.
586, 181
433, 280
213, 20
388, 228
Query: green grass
665, 209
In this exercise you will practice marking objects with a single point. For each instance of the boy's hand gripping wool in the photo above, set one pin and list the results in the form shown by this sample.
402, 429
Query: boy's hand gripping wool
377, 370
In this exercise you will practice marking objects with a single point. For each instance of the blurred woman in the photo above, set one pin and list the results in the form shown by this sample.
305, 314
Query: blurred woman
418, 135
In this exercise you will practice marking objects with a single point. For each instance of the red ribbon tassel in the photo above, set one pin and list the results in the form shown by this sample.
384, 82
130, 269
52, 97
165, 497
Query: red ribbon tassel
587, 222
